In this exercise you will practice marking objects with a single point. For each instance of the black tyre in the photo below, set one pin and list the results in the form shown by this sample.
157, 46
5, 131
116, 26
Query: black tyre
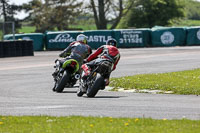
98, 83
60, 84
54, 87
79, 92
71, 84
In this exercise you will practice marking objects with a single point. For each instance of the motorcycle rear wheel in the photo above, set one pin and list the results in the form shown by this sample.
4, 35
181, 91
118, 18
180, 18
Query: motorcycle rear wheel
98, 83
60, 84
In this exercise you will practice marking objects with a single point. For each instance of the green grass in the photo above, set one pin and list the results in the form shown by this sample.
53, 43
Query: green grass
184, 82
1, 35
183, 23
84, 26
31, 29
77, 124
90, 25
27, 29
87, 26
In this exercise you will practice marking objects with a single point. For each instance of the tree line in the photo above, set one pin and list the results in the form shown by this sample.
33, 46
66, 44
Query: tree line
60, 14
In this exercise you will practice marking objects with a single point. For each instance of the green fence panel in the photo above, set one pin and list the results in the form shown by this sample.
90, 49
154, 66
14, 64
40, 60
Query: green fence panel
37, 38
60, 40
193, 36
165, 37
127, 38
96, 38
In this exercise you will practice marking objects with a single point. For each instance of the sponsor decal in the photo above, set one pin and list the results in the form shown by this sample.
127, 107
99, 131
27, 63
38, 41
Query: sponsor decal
98, 38
131, 37
167, 38
64, 37
198, 34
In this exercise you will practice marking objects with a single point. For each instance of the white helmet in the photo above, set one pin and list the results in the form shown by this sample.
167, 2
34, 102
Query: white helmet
82, 38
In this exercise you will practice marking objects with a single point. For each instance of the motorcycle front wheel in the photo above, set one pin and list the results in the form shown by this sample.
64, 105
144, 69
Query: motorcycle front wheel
60, 84
93, 89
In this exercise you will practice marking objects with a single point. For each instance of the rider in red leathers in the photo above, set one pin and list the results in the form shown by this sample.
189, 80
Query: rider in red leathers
108, 51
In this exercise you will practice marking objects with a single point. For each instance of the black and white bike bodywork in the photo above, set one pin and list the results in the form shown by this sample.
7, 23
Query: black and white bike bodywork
95, 81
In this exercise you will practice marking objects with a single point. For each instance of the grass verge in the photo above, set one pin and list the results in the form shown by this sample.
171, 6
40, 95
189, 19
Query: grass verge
27, 29
183, 82
78, 124
183, 23
1, 35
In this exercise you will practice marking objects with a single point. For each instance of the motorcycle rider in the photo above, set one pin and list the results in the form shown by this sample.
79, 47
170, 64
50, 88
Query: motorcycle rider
78, 50
108, 51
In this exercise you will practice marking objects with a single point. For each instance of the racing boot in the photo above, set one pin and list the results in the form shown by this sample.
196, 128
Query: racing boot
54, 74
106, 81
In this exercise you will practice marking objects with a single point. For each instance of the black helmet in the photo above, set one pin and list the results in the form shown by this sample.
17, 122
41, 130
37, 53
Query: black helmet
112, 42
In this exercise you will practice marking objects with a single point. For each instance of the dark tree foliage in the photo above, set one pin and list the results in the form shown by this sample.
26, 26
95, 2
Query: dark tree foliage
8, 11
148, 13
52, 14
105, 11
192, 9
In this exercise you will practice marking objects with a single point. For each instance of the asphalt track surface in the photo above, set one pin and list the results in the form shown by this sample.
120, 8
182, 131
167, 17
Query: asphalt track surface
26, 87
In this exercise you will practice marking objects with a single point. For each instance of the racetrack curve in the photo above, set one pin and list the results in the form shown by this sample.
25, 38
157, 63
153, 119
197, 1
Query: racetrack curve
26, 87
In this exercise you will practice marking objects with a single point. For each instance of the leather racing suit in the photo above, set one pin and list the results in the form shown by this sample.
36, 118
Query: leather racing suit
106, 52
78, 51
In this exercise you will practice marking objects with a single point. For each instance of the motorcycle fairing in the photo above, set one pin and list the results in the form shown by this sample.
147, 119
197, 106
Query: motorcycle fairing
68, 62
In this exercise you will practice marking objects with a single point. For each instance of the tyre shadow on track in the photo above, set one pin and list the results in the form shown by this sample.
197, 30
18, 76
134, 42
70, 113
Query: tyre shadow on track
69, 92
104, 97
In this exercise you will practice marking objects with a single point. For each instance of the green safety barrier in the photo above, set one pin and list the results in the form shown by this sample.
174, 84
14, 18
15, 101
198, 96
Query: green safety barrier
37, 38
60, 40
164, 36
193, 36
97, 38
127, 38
